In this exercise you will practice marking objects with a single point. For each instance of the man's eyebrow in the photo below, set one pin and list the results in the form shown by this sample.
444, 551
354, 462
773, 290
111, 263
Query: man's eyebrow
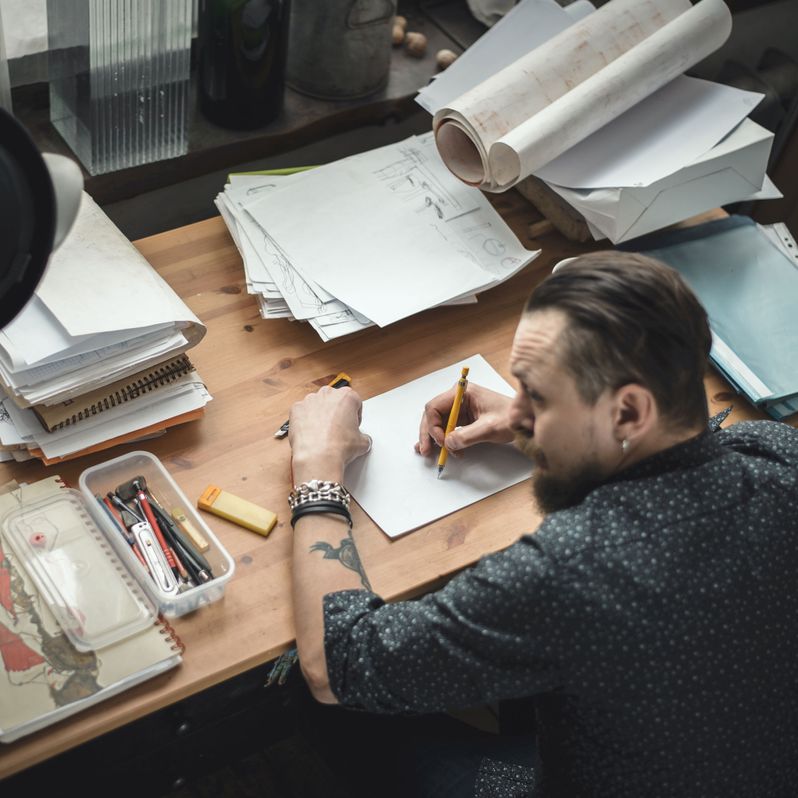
531, 392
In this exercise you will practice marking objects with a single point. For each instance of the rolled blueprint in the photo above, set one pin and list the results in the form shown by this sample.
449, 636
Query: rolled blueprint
530, 112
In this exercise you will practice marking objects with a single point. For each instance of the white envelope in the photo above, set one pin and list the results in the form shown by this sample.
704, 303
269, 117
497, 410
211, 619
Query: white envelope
731, 171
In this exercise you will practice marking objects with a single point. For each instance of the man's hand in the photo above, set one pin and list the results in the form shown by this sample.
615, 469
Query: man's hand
325, 434
484, 418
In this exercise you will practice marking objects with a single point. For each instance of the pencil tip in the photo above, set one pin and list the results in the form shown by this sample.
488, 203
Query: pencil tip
440, 471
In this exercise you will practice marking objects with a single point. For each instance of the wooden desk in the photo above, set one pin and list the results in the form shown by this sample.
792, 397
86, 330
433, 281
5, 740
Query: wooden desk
255, 370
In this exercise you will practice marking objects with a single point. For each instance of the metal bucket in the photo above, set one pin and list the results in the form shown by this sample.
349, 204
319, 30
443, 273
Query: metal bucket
339, 49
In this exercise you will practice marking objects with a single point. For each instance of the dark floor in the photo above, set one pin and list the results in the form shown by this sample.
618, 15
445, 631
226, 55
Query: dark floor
286, 769
289, 766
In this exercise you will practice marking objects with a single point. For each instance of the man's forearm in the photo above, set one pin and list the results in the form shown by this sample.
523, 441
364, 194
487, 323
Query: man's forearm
325, 560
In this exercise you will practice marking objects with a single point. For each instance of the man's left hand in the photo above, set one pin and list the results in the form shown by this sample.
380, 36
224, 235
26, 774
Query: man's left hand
325, 435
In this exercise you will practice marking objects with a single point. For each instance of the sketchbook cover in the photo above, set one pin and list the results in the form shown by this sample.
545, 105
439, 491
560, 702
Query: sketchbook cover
43, 678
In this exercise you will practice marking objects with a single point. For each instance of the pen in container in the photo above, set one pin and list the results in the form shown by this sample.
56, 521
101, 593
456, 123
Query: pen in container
132, 491
192, 559
145, 536
186, 555
118, 523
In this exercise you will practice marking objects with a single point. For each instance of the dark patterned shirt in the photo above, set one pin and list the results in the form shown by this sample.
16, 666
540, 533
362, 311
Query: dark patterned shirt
657, 622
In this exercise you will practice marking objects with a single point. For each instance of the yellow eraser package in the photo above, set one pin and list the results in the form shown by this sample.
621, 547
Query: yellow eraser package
238, 510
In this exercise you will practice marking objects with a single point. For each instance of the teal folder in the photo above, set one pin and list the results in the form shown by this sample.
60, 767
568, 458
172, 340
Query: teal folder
749, 288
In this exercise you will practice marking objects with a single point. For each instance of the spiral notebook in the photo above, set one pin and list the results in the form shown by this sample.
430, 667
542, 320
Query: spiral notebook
43, 676
88, 405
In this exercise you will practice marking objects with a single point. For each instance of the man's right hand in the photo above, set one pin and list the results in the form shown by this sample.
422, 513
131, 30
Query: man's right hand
484, 418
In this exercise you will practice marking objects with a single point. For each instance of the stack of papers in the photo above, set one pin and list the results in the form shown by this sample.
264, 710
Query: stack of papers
370, 239
747, 279
100, 315
669, 150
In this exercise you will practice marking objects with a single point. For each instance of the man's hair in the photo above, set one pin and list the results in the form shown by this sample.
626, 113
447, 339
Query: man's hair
631, 319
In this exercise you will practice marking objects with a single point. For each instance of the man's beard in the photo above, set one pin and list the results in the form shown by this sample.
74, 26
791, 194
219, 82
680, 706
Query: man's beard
554, 492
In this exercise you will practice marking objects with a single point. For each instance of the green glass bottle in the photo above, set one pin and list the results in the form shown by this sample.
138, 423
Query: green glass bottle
241, 57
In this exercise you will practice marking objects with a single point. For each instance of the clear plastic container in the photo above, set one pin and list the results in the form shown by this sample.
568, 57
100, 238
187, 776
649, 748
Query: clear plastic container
104, 477
119, 79
85, 585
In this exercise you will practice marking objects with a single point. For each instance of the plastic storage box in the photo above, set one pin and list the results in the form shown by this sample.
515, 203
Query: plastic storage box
89, 591
104, 477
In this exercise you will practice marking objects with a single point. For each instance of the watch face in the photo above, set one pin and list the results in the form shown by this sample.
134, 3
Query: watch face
27, 217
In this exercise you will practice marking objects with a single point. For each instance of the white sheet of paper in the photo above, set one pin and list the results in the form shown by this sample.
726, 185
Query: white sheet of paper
9, 434
526, 26
398, 488
97, 281
655, 138
56, 382
659, 136
732, 171
385, 234
37, 338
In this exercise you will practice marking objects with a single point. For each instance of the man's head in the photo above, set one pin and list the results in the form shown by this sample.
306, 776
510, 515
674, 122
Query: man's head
610, 355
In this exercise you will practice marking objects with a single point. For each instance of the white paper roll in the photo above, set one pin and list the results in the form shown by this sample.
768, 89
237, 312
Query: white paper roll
535, 109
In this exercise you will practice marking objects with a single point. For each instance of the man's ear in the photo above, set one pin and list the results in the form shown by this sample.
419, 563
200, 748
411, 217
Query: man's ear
635, 412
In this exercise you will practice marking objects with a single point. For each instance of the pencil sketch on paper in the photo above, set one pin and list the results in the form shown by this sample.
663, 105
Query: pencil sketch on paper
252, 190
488, 244
288, 281
412, 178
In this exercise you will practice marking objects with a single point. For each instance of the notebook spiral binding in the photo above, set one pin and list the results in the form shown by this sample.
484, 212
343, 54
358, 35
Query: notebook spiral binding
166, 629
117, 394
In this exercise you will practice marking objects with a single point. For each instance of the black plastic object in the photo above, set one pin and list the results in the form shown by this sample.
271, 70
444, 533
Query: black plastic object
27, 217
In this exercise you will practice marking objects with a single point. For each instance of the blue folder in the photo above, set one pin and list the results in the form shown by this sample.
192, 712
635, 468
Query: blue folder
750, 291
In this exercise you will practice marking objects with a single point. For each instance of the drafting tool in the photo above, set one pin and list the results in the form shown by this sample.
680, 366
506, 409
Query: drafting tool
341, 380
149, 537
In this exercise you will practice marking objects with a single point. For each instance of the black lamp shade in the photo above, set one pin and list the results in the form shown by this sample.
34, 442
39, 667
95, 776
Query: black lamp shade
27, 217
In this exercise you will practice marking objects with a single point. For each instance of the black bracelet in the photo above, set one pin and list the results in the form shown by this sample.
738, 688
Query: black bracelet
309, 508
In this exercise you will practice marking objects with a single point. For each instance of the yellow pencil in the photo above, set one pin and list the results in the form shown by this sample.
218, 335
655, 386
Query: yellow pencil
453, 414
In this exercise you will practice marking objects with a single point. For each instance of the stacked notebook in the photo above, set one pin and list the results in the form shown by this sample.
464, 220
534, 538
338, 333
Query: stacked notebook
44, 677
370, 239
746, 277
97, 357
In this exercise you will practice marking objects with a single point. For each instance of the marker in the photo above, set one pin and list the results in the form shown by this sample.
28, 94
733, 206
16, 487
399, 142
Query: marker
453, 415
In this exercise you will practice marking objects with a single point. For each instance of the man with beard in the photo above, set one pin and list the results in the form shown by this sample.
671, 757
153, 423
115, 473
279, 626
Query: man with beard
653, 615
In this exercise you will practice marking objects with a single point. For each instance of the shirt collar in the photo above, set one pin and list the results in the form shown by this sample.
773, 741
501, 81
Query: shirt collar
693, 452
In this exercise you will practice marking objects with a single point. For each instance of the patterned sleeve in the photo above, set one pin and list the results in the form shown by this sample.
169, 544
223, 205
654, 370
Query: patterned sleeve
774, 440
483, 637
